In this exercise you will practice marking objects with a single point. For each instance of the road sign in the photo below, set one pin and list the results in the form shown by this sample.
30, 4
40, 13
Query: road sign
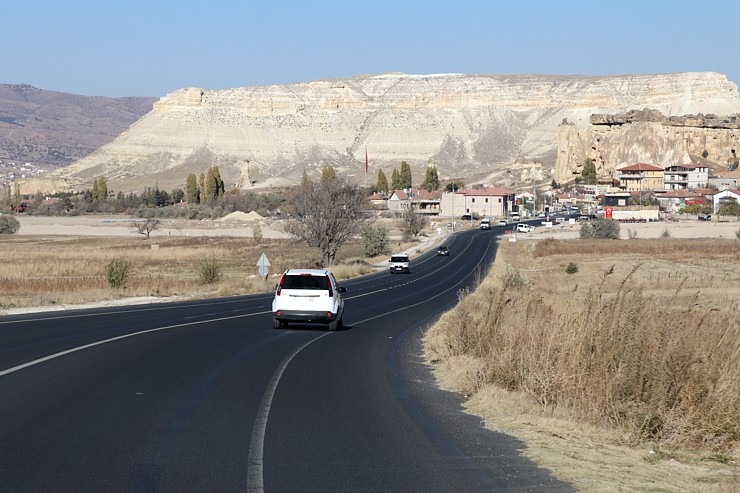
263, 266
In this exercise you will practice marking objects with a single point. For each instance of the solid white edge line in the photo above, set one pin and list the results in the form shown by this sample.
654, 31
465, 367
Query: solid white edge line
112, 339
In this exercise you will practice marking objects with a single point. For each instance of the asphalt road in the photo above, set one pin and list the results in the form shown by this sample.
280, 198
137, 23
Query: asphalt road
207, 396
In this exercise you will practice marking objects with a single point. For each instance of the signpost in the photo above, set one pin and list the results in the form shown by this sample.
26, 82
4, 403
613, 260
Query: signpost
263, 266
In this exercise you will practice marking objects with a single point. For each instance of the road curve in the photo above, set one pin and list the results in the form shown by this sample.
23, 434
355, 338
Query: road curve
207, 396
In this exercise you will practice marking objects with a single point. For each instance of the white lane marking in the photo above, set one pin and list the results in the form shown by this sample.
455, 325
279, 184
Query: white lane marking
255, 463
112, 339
165, 305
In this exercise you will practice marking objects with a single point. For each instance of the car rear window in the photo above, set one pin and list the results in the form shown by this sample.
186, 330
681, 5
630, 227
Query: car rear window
306, 282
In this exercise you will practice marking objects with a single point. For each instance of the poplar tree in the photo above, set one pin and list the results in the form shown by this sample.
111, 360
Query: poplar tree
382, 184
405, 174
431, 179
192, 195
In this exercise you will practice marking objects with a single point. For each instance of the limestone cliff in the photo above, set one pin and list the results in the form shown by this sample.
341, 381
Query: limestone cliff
647, 136
504, 127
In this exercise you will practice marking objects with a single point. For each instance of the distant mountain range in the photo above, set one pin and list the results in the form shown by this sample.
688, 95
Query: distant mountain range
54, 129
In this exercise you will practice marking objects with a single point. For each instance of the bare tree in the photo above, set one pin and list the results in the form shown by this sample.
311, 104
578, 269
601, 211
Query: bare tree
411, 223
326, 215
146, 227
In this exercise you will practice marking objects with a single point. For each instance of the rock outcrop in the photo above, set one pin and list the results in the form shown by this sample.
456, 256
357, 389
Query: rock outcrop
501, 128
648, 136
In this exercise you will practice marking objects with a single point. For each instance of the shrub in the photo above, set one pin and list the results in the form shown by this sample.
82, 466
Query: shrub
737, 233
375, 241
572, 268
117, 273
209, 270
257, 233
665, 233
600, 228
8, 224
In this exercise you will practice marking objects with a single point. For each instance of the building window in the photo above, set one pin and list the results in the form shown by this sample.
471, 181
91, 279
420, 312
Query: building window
473, 199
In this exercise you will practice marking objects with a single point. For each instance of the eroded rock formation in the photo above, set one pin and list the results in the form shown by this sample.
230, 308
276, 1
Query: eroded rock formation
498, 127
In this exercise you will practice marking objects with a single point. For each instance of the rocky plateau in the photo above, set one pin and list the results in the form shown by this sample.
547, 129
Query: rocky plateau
508, 130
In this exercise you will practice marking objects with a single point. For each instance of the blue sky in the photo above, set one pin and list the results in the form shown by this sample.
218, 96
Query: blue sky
153, 47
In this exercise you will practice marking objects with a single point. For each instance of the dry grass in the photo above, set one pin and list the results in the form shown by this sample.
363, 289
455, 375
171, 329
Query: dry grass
643, 340
43, 271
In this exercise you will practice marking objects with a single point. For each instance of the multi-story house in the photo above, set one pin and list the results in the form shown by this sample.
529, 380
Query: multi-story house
641, 177
686, 177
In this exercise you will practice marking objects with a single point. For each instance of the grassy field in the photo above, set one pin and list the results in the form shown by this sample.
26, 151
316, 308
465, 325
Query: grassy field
40, 271
611, 358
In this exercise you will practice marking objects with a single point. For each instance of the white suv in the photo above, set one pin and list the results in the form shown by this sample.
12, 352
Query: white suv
308, 295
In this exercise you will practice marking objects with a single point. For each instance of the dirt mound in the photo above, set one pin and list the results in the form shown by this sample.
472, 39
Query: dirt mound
241, 216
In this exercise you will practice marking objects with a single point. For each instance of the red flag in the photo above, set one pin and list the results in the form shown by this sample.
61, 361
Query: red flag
367, 163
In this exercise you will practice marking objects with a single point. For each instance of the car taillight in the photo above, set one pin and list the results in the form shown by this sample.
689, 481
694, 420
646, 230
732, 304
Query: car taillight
280, 286
328, 285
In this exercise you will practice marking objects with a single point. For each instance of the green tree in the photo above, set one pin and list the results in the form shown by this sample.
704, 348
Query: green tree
405, 175
9, 225
382, 184
375, 241
328, 174
192, 194
731, 209
600, 228
396, 183
431, 179
214, 185
554, 185
589, 172
102, 190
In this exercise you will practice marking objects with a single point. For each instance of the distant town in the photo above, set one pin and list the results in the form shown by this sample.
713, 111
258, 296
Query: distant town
10, 171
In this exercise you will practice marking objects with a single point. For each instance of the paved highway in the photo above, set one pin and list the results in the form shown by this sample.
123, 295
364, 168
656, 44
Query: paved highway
207, 396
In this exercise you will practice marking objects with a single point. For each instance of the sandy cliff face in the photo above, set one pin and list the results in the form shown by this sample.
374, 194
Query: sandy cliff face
468, 125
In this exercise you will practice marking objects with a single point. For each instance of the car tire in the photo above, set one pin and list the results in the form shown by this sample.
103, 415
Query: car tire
336, 325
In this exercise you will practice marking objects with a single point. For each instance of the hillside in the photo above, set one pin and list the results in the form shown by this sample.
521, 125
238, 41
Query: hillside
500, 128
54, 129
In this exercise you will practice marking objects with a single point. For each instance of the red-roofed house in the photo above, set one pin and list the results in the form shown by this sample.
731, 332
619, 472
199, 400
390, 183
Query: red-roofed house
674, 200
725, 197
422, 201
641, 177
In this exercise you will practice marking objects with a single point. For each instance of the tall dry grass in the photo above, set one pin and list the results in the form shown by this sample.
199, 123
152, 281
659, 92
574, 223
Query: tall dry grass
637, 338
42, 271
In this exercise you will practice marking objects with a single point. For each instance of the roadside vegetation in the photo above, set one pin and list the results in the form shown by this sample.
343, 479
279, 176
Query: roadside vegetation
626, 336
48, 271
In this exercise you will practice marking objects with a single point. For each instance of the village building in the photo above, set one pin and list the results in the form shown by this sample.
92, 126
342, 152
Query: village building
686, 177
478, 202
641, 177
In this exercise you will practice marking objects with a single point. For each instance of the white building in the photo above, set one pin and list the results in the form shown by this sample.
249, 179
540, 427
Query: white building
686, 177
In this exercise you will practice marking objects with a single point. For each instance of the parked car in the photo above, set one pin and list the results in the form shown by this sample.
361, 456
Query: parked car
309, 296
443, 250
399, 263
467, 217
524, 228
707, 217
